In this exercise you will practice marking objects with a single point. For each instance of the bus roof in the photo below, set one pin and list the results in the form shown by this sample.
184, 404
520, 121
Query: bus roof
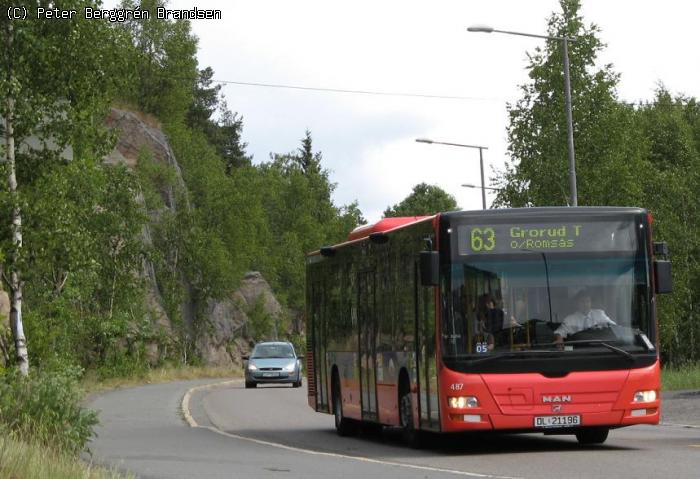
384, 225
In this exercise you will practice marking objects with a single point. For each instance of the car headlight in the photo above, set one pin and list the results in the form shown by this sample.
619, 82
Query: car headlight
252, 367
462, 402
644, 396
289, 368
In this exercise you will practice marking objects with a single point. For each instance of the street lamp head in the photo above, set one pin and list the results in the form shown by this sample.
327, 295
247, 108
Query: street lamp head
480, 28
424, 140
467, 185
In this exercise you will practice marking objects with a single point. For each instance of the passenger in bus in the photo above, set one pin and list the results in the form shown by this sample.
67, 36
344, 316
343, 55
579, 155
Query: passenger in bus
490, 317
493, 316
585, 317
490, 321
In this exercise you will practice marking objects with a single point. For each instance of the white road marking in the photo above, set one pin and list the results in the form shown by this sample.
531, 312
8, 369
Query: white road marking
190, 420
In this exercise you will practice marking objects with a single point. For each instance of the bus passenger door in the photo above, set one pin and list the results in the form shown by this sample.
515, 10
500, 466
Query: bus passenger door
367, 328
318, 334
426, 354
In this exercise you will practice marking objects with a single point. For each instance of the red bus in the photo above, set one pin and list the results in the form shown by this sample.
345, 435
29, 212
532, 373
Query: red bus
532, 319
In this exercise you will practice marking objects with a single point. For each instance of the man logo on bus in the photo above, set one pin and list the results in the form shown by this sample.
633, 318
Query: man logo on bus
556, 408
552, 399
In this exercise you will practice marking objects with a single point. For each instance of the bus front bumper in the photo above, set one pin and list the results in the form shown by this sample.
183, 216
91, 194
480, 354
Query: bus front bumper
472, 421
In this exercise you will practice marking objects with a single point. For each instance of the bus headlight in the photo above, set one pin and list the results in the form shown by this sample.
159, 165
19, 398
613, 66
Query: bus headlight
463, 402
645, 396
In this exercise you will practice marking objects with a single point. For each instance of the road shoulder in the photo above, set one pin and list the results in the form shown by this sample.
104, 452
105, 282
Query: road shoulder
680, 408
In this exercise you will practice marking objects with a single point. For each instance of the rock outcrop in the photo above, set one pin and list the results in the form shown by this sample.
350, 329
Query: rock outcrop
221, 337
226, 337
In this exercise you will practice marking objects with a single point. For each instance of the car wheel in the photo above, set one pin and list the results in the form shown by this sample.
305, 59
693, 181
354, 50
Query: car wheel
411, 435
343, 425
296, 384
592, 435
250, 384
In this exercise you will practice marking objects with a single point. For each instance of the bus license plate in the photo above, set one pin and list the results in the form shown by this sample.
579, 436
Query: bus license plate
558, 421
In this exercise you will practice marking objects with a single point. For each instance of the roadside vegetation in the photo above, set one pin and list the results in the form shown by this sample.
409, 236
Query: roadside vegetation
680, 378
23, 460
44, 428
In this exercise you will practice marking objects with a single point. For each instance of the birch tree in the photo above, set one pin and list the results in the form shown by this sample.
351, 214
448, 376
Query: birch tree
55, 85
14, 282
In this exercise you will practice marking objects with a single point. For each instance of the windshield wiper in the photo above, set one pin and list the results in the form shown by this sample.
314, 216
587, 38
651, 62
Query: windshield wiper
516, 354
604, 344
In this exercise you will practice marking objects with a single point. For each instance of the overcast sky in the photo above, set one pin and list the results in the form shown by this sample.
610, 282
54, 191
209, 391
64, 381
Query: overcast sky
405, 46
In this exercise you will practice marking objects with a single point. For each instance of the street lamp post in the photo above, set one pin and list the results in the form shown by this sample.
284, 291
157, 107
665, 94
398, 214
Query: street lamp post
481, 161
567, 97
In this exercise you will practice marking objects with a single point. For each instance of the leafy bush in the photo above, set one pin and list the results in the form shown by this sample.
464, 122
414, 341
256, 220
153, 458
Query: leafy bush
45, 407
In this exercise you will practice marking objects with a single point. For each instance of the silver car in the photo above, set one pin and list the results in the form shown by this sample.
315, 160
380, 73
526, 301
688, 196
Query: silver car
273, 362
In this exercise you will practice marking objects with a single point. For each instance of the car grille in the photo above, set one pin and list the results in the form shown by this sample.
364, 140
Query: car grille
270, 369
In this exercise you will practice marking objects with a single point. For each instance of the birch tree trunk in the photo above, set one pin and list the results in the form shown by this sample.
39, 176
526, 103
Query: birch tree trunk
21, 354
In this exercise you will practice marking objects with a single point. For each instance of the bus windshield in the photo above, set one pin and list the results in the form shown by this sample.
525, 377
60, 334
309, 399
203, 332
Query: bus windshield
523, 301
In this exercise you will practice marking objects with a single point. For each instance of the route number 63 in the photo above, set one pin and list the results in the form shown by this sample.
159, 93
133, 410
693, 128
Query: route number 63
483, 239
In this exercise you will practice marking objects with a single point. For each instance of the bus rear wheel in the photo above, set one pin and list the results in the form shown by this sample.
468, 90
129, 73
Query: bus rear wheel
592, 435
411, 435
344, 426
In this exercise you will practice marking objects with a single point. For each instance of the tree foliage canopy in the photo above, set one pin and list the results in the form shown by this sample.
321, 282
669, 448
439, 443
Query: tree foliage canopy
424, 200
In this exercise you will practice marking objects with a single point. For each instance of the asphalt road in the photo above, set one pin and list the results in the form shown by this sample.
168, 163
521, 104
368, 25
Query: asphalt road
271, 432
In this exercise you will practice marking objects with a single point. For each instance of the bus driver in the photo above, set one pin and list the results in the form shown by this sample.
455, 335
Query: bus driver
583, 318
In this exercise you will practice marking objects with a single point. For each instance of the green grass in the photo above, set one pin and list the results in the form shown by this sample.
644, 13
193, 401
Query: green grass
685, 377
92, 384
22, 460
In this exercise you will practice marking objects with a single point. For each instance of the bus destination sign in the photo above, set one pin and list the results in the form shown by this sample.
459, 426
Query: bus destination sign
547, 237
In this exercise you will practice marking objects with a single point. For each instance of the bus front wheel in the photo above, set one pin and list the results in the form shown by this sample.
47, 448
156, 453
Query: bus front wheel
592, 435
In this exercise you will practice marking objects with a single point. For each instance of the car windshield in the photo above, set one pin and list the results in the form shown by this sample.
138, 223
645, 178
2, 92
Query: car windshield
520, 302
263, 351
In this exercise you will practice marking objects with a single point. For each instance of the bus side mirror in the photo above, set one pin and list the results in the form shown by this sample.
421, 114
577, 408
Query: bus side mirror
662, 276
429, 268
